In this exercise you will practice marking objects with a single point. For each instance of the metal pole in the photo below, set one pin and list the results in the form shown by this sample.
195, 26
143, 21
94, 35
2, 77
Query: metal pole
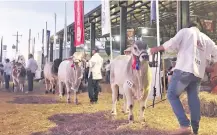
46, 42
65, 32
183, 14
61, 48
72, 47
33, 47
29, 41
123, 29
51, 51
92, 37
17, 43
111, 49
17, 40
55, 37
1, 49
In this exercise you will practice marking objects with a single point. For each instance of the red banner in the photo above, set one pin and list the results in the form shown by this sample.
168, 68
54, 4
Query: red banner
79, 22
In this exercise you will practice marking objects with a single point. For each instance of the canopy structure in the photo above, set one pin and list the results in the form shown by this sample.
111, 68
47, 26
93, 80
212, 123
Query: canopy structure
138, 15
135, 15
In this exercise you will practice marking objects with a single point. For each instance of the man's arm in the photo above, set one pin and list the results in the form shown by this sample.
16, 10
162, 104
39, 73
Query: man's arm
91, 63
171, 44
214, 53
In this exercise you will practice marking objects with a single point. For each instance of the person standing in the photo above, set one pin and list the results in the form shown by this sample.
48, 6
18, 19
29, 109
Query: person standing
7, 73
31, 68
107, 68
95, 75
193, 48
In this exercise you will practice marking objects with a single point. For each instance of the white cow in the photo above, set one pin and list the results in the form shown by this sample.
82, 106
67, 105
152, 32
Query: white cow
132, 75
70, 75
50, 75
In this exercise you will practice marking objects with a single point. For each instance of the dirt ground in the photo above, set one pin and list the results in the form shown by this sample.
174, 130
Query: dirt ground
39, 114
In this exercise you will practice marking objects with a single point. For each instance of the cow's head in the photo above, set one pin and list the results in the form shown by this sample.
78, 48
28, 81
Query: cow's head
139, 50
18, 69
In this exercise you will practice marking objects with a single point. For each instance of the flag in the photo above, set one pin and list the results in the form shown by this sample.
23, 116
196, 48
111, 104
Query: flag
79, 22
105, 15
153, 10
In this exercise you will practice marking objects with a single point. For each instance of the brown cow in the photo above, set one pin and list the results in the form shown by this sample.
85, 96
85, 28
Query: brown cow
18, 76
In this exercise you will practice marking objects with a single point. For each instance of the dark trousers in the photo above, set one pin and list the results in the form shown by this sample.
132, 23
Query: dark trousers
108, 77
93, 89
30, 77
7, 80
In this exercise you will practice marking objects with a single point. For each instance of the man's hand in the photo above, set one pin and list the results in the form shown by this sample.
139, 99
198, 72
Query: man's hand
154, 50
209, 69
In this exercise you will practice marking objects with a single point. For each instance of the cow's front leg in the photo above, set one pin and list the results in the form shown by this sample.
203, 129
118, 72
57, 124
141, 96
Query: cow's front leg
68, 93
60, 89
15, 86
142, 110
129, 98
143, 102
46, 85
75, 97
1, 84
114, 98
21, 87
125, 108
53, 86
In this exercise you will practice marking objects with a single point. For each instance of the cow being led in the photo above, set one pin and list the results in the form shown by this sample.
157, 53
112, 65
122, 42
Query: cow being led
132, 75
18, 76
69, 75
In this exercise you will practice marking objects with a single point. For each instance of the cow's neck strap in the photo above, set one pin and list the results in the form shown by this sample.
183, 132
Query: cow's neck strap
135, 62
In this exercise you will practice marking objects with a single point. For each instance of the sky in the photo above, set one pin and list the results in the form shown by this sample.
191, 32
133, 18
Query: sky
24, 15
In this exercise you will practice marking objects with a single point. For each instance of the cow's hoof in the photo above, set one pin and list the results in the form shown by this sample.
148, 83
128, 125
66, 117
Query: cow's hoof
50, 90
68, 101
125, 112
113, 113
46, 92
53, 92
131, 118
76, 102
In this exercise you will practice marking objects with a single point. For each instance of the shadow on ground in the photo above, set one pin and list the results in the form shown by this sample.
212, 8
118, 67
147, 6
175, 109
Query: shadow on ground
92, 124
34, 100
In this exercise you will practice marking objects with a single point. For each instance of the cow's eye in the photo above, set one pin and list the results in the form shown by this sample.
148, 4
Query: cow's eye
135, 48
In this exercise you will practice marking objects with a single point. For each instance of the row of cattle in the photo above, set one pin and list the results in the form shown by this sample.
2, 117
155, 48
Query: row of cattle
129, 74
66, 74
